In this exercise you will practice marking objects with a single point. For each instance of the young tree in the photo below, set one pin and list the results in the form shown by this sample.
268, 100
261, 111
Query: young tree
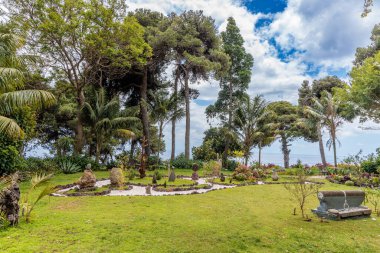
247, 123
198, 55
283, 118
326, 110
301, 190
164, 109
106, 120
234, 83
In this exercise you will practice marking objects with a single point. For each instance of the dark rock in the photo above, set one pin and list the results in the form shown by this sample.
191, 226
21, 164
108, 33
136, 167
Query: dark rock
9, 203
87, 180
195, 176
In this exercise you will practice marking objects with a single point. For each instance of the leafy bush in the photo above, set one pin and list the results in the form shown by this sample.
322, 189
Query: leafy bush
212, 168
131, 174
180, 162
369, 166
68, 167
231, 165
37, 164
117, 177
242, 173
349, 183
157, 174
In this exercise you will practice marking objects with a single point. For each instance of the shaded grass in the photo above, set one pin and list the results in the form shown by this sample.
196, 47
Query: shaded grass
243, 219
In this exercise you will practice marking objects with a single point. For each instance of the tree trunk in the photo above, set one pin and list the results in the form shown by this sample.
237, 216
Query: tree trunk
144, 111
172, 156
97, 156
133, 146
334, 147
159, 140
260, 155
246, 160
229, 127
321, 146
187, 103
285, 151
79, 140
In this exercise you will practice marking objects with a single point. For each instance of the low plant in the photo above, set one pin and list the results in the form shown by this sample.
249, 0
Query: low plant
301, 191
68, 167
349, 183
242, 173
373, 196
212, 168
28, 203
117, 177
131, 174
157, 174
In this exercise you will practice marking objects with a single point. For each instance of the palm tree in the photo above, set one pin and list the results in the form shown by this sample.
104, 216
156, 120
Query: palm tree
165, 108
326, 109
106, 120
12, 74
248, 125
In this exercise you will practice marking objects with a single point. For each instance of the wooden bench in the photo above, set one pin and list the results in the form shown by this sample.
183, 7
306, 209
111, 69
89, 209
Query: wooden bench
341, 204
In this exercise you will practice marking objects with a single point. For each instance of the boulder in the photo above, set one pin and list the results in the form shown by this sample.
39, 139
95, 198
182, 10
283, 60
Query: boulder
195, 176
275, 176
9, 203
117, 177
87, 180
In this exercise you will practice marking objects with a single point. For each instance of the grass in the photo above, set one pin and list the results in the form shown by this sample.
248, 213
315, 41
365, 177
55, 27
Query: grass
244, 219
98, 189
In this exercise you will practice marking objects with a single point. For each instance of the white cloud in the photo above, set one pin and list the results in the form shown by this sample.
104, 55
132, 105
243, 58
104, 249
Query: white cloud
326, 33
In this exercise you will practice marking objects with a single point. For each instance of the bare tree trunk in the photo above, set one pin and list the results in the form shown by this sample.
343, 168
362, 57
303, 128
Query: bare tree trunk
97, 156
133, 146
144, 111
79, 139
285, 151
159, 141
260, 155
172, 156
334, 147
228, 141
187, 104
321, 146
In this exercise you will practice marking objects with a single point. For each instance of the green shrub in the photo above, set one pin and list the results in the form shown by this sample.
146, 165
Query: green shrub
212, 168
180, 162
68, 167
131, 174
231, 165
37, 164
242, 173
369, 166
157, 174
349, 183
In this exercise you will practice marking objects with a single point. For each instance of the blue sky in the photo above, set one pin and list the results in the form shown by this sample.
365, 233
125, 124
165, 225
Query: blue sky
291, 41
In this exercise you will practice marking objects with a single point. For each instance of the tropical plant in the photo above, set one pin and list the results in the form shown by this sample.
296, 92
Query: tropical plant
106, 120
327, 110
66, 166
248, 125
165, 108
13, 68
28, 202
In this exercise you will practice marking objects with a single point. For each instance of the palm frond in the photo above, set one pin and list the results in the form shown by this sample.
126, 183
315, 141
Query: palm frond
10, 128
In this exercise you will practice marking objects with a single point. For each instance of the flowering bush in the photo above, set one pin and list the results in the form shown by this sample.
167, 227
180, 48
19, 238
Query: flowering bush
242, 173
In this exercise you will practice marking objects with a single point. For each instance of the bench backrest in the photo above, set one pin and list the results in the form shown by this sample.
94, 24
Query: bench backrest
336, 199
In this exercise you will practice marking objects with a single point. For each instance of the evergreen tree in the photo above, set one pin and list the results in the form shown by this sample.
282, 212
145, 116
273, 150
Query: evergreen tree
234, 83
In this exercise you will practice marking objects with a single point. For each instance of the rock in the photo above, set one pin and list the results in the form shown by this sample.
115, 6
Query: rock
148, 190
195, 176
275, 176
172, 176
117, 177
222, 178
9, 203
87, 180
154, 179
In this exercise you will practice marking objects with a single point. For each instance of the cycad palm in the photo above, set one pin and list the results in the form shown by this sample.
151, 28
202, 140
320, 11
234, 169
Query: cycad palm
105, 119
327, 110
12, 73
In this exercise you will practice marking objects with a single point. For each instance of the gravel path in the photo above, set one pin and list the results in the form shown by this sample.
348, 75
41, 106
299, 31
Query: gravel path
140, 190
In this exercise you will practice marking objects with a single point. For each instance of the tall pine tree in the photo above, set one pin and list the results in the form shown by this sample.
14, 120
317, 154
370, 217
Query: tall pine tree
234, 84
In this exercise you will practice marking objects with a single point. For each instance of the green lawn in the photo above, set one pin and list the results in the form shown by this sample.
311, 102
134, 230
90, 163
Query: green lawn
244, 219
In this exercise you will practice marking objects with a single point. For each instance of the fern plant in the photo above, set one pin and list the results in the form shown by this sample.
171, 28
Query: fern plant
68, 167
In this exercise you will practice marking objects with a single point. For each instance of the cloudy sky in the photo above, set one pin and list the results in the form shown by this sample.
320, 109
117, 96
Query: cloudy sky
290, 40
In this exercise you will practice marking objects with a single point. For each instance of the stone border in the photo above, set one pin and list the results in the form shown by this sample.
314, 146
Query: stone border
193, 187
